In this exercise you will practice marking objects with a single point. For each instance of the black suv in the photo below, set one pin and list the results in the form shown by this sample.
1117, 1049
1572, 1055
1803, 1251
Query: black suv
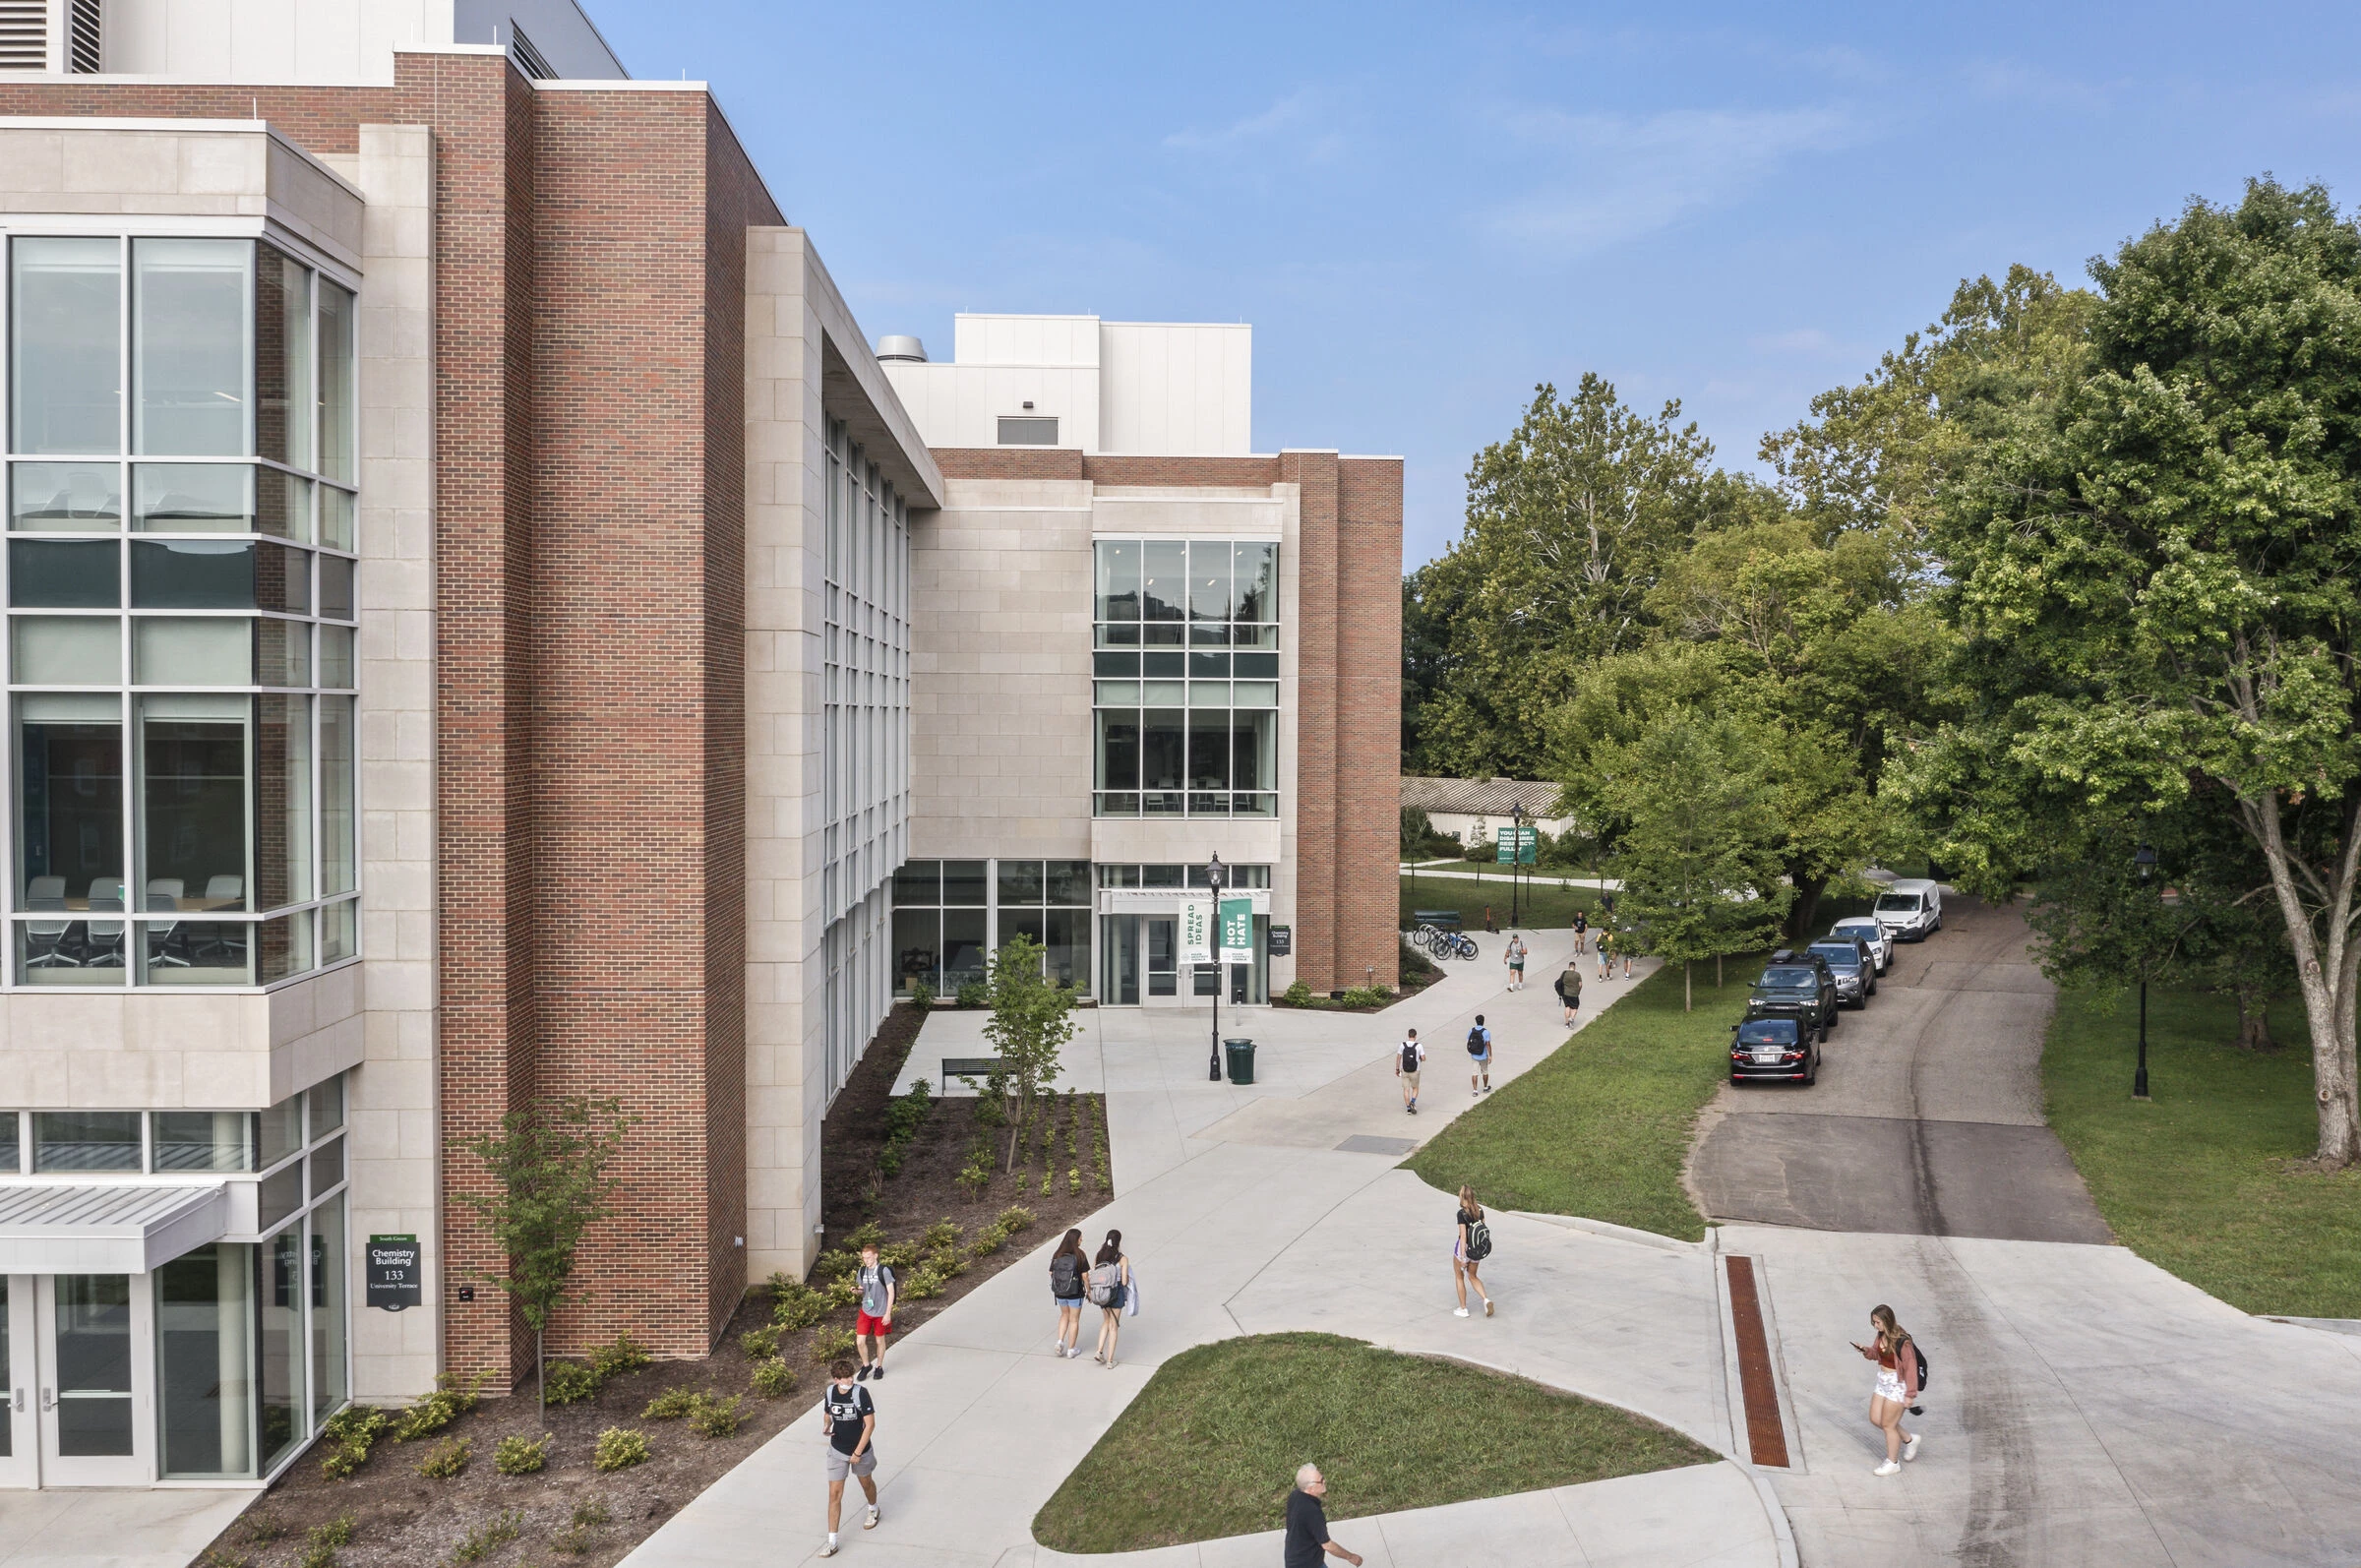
1850, 960
1798, 986
1781, 1050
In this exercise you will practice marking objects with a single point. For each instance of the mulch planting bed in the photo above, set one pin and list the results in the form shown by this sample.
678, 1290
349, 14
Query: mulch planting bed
570, 1512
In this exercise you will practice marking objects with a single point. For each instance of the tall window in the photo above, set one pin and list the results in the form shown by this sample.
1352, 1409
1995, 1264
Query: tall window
1187, 668
180, 569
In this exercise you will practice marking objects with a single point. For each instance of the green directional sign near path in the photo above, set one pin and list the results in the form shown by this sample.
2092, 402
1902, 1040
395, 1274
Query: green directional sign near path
1518, 846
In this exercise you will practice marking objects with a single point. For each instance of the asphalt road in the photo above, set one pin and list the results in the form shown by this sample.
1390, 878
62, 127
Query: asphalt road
1927, 1116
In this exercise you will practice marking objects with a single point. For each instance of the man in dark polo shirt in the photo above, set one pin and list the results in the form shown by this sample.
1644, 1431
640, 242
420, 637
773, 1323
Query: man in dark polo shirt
1307, 1523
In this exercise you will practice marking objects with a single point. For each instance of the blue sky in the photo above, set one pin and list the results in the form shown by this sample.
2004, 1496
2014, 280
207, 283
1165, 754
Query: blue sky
1426, 212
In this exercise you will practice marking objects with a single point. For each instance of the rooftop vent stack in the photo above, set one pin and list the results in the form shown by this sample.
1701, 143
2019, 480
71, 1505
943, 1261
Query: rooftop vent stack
894, 347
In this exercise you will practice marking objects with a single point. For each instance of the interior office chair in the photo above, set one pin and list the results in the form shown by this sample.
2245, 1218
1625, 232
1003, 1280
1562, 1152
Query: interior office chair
225, 940
105, 935
45, 940
165, 893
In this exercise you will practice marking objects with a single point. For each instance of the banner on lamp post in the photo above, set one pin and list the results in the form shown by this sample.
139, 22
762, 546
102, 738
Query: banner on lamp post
1196, 931
1237, 930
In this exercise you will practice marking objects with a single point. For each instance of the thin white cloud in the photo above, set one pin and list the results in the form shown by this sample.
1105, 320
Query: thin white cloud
1606, 178
1288, 115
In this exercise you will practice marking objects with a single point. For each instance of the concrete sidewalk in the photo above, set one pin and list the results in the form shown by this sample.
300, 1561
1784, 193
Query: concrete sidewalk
1238, 1209
114, 1527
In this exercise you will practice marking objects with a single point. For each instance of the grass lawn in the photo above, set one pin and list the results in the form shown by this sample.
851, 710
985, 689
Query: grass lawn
2199, 1181
1210, 1446
1601, 1128
1540, 901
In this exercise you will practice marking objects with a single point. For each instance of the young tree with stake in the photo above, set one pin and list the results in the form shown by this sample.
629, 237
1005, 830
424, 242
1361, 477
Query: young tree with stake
1032, 1019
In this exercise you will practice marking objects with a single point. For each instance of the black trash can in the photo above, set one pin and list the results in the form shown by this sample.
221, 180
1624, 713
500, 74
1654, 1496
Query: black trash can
1241, 1060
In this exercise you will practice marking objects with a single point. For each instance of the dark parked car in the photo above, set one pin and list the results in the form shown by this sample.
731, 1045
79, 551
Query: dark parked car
1781, 1050
1855, 968
1797, 984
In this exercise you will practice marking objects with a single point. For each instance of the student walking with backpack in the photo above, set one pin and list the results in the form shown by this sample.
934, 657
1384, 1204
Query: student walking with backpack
875, 1320
1408, 1059
1514, 956
1471, 1246
1479, 1060
1109, 1288
1901, 1374
1582, 930
849, 1418
1069, 1266
1570, 989
1606, 959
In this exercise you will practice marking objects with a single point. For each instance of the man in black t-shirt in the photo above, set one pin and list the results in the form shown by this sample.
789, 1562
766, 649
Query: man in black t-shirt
1307, 1523
850, 1419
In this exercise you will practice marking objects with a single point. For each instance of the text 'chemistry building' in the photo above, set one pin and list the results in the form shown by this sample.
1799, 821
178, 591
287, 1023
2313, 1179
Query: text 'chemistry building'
483, 625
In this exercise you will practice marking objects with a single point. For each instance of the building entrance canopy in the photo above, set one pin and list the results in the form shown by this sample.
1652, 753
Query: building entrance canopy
105, 1228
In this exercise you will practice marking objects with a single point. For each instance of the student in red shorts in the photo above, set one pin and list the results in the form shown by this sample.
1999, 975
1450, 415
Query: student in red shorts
875, 1318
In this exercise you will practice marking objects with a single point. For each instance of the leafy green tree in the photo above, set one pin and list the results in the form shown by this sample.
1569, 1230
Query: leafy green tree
1697, 856
551, 1184
1569, 524
1032, 1019
2156, 575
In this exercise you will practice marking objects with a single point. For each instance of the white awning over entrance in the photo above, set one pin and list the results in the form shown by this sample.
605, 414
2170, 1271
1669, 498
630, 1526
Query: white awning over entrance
105, 1226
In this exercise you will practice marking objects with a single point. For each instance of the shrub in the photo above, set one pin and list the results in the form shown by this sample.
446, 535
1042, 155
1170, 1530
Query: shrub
520, 1456
898, 1254
1073, 1179
835, 1264
843, 1292
620, 1448
1017, 1217
1297, 995
773, 1378
214, 1557
951, 1262
349, 1434
796, 1306
922, 1285
570, 1383
830, 1344
717, 1417
922, 995
625, 1354
903, 1117
988, 1242
489, 1537
446, 1459
972, 994
1364, 997
975, 1175
1048, 1181
450, 1400
758, 1343
942, 1233
670, 1406
575, 1539
320, 1545
264, 1526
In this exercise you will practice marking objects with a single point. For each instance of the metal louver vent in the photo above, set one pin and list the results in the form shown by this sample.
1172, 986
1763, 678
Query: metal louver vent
529, 60
83, 53
24, 36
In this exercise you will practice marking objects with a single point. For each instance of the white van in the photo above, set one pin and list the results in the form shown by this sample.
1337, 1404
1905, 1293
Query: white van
1910, 908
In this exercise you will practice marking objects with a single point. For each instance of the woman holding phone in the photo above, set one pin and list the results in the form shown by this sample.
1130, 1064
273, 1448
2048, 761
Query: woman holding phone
1897, 1362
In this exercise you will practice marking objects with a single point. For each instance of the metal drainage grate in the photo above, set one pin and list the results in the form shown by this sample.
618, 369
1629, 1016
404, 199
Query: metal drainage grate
1364, 1143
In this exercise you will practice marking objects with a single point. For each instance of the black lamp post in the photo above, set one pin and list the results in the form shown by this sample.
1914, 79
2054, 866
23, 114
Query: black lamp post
1516, 857
2144, 856
1213, 880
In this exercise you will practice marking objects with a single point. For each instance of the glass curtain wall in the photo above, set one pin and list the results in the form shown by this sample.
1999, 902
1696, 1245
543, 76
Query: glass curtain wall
180, 565
945, 912
865, 740
1186, 688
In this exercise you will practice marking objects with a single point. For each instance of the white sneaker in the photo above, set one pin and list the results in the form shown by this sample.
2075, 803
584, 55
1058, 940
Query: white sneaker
1909, 1450
1889, 1468
1459, 1311
1487, 1306
829, 1550
870, 1523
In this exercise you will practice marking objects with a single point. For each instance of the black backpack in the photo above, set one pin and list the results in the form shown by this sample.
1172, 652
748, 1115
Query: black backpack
1480, 1241
1922, 1367
1065, 1276
1474, 1042
1410, 1056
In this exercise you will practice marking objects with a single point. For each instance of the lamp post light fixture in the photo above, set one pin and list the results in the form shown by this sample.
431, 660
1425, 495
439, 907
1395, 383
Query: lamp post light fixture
1516, 858
1213, 880
2144, 856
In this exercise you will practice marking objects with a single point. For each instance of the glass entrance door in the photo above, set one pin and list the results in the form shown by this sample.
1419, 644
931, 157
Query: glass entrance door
1164, 969
19, 1442
94, 1396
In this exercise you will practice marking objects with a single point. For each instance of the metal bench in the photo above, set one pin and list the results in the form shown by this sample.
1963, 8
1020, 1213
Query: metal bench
1439, 919
956, 1067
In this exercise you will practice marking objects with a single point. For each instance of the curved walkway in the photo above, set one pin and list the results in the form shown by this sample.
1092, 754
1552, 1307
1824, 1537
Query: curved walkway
1242, 1216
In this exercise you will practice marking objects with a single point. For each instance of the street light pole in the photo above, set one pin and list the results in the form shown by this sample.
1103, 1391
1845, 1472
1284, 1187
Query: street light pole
2146, 858
1516, 856
1213, 880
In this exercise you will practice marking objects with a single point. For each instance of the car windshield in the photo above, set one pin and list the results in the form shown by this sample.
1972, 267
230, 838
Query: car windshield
1841, 955
1797, 978
1767, 1031
1898, 903
1866, 931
